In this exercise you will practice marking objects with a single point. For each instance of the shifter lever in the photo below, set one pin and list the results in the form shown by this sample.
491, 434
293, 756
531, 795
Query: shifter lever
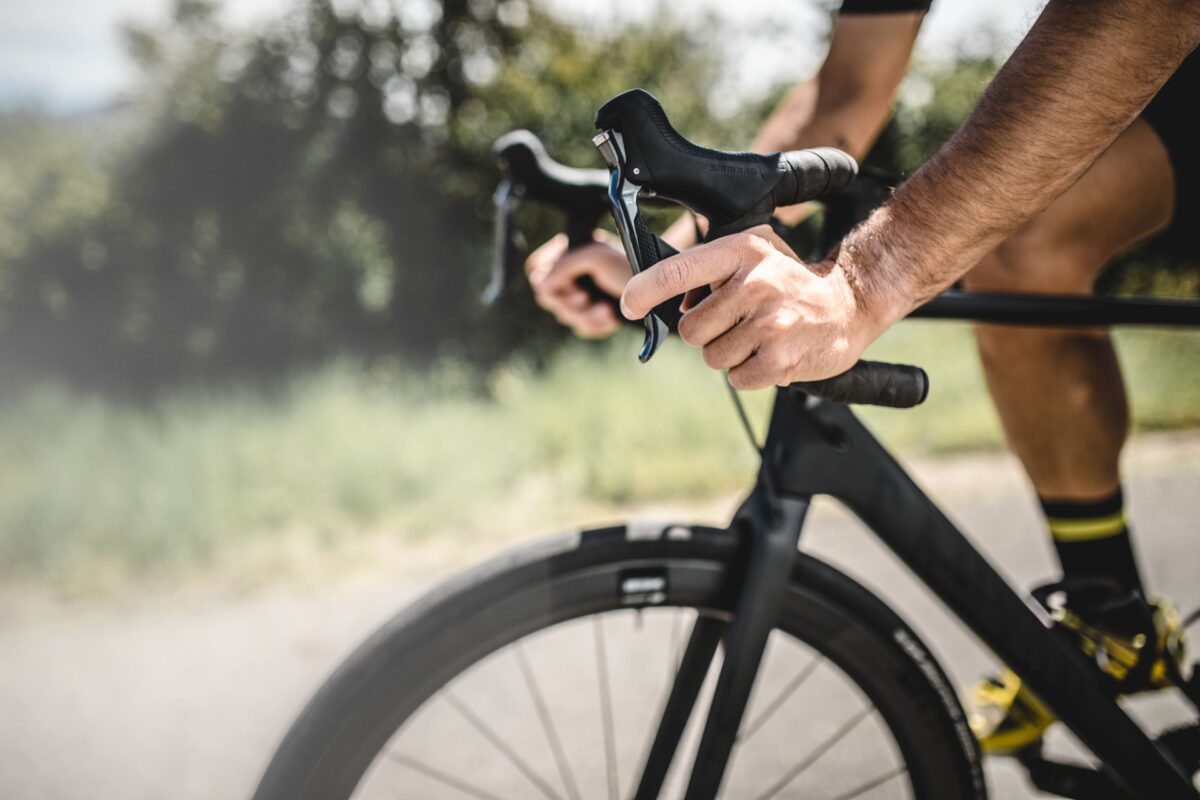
506, 242
642, 248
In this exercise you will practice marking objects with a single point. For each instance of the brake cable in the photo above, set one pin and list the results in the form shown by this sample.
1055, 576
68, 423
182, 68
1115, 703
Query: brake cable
740, 407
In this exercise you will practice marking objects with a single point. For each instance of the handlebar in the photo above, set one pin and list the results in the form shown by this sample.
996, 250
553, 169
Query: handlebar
872, 383
735, 191
529, 173
538, 177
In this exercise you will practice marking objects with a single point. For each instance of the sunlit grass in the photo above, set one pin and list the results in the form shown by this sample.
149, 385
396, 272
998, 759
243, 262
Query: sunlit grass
90, 486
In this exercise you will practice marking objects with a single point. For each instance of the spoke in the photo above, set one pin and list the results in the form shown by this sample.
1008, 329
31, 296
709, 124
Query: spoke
442, 777
779, 699
539, 702
610, 750
861, 789
817, 752
498, 742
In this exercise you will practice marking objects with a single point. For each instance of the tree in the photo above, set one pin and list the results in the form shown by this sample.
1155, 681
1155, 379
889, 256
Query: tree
322, 187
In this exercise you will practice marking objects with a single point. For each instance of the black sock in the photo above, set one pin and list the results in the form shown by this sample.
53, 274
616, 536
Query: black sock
1092, 540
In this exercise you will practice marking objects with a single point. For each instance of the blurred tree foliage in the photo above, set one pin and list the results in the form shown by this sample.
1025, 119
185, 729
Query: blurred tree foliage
323, 186
933, 101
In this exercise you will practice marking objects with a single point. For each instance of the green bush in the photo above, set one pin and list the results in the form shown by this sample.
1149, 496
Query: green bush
342, 451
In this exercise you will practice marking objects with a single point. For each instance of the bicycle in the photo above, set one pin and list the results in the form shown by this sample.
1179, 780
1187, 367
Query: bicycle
568, 600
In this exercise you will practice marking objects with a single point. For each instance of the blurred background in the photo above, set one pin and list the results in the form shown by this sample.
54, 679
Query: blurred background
243, 363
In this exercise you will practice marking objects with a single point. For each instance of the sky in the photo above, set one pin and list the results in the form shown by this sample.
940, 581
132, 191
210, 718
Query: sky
66, 55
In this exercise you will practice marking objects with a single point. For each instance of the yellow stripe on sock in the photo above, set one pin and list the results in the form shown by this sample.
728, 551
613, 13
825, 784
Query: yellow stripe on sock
1079, 530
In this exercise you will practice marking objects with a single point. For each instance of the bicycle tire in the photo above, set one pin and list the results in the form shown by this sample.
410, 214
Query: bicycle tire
337, 736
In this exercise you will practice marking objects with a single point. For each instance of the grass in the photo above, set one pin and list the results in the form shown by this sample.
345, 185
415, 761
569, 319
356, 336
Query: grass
97, 492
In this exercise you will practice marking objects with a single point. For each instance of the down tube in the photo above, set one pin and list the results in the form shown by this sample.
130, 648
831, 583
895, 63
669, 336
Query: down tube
822, 448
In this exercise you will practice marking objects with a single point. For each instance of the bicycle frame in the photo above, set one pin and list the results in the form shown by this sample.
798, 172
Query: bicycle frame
813, 448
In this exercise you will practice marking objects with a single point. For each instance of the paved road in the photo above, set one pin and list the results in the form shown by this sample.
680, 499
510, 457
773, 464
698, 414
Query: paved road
186, 699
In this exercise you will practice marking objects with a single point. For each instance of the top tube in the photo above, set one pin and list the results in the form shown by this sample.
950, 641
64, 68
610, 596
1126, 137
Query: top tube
1061, 310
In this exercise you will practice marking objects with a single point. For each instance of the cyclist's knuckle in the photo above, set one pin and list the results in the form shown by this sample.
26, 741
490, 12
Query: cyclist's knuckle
753, 378
756, 287
756, 244
761, 324
738, 277
791, 363
776, 359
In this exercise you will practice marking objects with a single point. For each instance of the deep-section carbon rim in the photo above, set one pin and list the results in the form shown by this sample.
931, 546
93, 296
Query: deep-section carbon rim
581, 595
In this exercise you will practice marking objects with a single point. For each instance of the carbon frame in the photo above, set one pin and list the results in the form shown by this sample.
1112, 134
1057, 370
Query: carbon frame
817, 448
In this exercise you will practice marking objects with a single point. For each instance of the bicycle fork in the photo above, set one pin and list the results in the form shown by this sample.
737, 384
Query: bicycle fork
771, 525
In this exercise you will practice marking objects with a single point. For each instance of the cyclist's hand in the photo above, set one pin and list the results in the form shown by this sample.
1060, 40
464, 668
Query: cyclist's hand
553, 271
771, 319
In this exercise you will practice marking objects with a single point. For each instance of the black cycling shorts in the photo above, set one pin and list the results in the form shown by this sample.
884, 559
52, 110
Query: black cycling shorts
1175, 116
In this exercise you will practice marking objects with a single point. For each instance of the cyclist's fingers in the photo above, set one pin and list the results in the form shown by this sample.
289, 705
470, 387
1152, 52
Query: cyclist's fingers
760, 371
600, 262
594, 322
601, 320
691, 269
542, 259
734, 346
567, 317
569, 296
613, 279
573, 264
563, 301
715, 314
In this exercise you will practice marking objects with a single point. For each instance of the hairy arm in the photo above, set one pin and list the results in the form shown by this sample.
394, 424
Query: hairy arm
846, 104
1081, 76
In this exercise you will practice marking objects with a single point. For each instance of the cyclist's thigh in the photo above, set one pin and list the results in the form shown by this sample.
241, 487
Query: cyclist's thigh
1126, 196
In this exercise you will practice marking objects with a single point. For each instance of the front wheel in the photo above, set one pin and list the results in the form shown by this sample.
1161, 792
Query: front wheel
543, 674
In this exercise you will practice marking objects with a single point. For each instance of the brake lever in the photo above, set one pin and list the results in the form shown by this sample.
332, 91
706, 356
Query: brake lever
642, 248
506, 241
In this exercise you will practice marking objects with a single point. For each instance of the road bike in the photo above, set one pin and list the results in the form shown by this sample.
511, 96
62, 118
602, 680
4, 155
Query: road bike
654, 659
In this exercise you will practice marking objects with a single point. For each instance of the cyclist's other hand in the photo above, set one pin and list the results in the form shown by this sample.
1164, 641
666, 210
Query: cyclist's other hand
771, 319
553, 273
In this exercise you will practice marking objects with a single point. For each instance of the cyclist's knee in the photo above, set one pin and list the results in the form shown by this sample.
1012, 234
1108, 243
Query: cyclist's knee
1037, 259
1034, 259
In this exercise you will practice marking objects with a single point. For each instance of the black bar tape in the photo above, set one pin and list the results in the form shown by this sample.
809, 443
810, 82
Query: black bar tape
872, 383
728, 188
812, 174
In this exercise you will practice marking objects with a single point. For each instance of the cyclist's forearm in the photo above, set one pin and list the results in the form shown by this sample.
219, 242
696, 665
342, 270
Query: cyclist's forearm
1080, 77
850, 99
818, 114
